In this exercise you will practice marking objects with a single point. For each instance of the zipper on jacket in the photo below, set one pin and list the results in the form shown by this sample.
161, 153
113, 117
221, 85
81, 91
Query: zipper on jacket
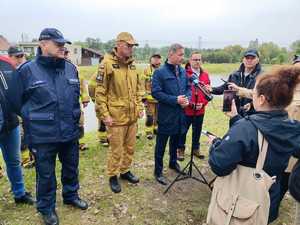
3, 81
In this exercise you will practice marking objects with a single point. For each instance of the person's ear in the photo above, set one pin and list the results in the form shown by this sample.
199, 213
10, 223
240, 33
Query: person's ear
262, 99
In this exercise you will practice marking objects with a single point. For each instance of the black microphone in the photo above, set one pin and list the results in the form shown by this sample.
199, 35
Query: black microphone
195, 81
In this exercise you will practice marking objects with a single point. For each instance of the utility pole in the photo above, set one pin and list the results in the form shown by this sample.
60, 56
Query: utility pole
199, 42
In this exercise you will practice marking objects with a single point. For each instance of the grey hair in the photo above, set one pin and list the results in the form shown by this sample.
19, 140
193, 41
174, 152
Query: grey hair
174, 47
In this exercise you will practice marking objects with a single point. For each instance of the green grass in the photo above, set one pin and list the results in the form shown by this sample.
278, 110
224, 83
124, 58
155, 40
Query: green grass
226, 68
143, 204
87, 71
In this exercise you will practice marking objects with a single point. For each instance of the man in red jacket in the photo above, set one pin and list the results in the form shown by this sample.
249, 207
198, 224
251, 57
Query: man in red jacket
194, 113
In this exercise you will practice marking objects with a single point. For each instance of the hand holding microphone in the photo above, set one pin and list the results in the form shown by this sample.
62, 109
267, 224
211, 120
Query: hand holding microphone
206, 90
183, 101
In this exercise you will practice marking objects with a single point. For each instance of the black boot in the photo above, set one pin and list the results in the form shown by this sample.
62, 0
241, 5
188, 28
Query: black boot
50, 219
77, 203
130, 177
25, 199
114, 184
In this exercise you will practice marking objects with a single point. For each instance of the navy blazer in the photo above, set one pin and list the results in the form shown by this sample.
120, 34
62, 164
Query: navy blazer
166, 86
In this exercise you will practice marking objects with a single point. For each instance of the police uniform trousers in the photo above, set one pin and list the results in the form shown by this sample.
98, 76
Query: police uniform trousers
45, 160
122, 141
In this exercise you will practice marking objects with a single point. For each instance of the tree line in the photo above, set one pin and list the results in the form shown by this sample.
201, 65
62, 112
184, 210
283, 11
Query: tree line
270, 52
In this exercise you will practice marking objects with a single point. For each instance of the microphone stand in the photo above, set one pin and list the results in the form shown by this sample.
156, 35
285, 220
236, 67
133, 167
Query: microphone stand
187, 171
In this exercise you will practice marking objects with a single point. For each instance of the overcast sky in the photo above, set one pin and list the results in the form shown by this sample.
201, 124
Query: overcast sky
158, 22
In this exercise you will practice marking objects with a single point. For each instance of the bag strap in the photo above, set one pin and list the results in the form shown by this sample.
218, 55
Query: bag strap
231, 210
263, 148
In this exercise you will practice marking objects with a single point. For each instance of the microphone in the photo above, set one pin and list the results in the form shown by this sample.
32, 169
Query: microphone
207, 133
195, 81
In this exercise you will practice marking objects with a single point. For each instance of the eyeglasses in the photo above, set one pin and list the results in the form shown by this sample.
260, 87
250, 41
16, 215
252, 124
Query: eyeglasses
197, 60
20, 56
129, 45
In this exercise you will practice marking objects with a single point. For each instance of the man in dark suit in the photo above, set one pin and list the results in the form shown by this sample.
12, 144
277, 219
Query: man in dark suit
171, 89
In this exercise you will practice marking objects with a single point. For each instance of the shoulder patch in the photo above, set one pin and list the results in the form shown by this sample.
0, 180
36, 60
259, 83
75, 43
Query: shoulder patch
116, 66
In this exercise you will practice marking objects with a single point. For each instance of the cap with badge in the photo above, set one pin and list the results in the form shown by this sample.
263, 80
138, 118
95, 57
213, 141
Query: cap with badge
251, 52
15, 51
296, 59
54, 35
127, 37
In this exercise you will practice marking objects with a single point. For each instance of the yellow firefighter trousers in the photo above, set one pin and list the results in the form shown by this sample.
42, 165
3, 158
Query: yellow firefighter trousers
151, 110
122, 141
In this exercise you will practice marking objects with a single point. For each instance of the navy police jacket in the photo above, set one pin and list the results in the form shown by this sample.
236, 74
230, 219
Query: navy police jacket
166, 86
45, 93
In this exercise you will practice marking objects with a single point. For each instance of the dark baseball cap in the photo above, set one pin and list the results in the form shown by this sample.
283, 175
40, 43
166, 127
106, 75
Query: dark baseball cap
156, 55
296, 59
15, 51
54, 35
251, 52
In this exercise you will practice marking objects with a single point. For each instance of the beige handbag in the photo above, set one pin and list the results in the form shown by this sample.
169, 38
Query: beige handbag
242, 197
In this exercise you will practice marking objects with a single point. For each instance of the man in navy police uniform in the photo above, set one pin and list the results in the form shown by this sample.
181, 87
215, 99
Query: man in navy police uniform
45, 93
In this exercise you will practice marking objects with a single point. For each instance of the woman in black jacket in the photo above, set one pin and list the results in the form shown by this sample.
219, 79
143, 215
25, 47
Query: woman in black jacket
10, 138
273, 92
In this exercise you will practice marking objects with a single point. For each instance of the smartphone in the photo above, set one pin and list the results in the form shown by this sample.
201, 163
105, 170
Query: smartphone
228, 96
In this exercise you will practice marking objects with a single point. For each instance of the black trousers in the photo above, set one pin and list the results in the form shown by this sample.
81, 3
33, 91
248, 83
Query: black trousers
196, 122
160, 146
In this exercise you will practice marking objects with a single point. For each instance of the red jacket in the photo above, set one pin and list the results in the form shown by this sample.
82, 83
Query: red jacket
203, 78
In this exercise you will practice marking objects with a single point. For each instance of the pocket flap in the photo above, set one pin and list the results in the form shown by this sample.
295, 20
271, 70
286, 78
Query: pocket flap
244, 208
41, 116
36, 84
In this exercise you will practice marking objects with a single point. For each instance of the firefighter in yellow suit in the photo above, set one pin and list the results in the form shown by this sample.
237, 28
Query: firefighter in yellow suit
102, 134
119, 93
149, 101
84, 100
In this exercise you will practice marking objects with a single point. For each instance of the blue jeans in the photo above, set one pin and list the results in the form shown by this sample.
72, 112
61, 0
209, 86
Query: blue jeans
196, 122
10, 145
